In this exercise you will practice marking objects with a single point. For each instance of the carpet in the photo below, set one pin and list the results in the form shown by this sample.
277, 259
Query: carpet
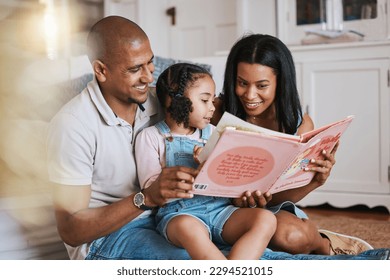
376, 233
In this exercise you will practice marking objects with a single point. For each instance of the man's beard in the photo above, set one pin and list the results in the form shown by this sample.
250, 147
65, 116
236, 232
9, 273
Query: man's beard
131, 100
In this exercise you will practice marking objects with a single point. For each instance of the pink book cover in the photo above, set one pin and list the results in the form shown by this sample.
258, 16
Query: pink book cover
245, 160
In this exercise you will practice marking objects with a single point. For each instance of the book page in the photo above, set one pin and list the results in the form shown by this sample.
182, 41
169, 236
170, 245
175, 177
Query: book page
232, 122
324, 139
243, 161
305, 137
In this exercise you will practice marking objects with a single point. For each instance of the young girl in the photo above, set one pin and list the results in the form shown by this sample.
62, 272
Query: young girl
187, 93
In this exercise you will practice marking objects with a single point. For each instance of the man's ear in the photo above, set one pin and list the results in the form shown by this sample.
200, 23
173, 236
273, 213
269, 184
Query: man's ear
100, 70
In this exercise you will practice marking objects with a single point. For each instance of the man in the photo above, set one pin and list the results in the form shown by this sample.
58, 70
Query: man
100, 211
90, 148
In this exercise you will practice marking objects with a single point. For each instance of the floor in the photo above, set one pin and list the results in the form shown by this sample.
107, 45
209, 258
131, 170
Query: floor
359, 212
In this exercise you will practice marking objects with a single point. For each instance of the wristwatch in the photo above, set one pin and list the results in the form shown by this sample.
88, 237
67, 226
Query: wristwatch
139, 201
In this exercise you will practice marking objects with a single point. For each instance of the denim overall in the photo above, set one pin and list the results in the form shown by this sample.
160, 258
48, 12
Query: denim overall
211, 211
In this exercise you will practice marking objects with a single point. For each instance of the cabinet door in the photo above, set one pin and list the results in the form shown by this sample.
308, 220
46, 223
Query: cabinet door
334, 90
124, 8
203, 27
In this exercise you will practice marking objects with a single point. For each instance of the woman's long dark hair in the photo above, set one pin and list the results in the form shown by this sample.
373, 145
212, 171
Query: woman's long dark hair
269, 51
173, 82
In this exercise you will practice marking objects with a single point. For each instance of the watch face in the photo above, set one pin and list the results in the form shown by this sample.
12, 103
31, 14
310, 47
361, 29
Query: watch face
139, 199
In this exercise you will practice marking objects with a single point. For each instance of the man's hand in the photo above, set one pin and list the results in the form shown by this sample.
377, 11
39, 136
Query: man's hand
173, 182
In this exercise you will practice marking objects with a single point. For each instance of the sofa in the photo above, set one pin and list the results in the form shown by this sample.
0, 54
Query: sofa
28, 228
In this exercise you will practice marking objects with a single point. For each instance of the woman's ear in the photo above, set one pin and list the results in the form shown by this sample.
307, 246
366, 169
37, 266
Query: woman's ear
100, 70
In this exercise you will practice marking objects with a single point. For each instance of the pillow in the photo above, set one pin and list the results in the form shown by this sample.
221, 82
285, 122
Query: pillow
43, 102
162, 63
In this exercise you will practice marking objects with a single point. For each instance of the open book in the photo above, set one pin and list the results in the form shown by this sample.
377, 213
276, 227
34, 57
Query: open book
240, 156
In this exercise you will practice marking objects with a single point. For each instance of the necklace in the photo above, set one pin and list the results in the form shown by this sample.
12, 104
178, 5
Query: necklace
251, 118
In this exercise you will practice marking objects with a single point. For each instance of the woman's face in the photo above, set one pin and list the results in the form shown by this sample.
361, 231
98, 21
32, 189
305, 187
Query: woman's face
255, 88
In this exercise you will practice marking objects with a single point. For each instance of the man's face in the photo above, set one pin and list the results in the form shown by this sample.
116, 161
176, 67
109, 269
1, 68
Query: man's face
129, 73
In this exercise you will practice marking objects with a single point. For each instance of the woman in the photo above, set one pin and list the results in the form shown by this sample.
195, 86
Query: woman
260, 88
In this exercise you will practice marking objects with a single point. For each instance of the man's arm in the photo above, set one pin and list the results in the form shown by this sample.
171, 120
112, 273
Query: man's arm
78, 224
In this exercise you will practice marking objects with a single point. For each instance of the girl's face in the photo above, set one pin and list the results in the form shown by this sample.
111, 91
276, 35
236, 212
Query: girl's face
256, 88
201, 94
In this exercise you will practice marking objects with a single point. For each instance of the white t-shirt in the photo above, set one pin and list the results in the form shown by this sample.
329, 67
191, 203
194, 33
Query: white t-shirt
150, 153
89, 145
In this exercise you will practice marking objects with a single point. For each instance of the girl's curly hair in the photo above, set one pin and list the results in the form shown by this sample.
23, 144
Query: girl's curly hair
173, 82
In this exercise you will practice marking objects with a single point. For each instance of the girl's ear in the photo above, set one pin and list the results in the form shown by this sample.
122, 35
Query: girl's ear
100, 70
168, 101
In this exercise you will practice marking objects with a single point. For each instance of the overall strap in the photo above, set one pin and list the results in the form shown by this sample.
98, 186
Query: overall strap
166, 132
205, 134
164, 129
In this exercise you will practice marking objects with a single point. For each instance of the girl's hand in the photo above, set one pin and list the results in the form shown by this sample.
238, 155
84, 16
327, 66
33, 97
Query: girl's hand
323, 167
252, 200
197, 150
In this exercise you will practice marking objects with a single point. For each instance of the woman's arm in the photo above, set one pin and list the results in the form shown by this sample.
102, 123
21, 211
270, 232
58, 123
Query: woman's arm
321, 167
306, 125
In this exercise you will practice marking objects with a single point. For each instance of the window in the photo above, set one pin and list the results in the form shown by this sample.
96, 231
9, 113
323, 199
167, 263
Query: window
314, 11
369, 17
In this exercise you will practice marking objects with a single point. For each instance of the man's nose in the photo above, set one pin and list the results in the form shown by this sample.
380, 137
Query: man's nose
147, 74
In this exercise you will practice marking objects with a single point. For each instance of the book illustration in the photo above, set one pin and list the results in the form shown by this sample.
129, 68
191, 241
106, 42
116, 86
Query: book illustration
299, 165
314, 151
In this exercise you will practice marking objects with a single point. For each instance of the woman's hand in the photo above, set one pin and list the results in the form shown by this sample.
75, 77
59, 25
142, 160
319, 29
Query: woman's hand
252, 200
323, 167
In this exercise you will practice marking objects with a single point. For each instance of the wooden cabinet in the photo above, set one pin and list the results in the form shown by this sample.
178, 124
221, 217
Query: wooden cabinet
350, 79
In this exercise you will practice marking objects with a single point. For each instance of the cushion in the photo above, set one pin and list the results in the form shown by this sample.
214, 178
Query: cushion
42, 102
162, 63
